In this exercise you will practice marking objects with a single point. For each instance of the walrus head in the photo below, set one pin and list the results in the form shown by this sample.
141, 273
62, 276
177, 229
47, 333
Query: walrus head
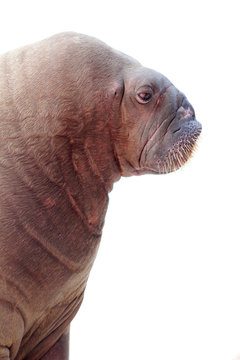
151, 123
158, 123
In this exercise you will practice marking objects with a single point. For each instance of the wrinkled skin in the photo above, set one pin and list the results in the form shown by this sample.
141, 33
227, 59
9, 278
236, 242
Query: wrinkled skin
161, 132
75, 116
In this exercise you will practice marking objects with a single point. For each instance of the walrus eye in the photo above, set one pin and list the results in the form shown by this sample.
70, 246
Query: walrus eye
144, 97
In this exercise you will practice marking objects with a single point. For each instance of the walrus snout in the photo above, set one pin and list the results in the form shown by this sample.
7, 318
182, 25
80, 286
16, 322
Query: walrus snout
168, 152
185, 115
180, 140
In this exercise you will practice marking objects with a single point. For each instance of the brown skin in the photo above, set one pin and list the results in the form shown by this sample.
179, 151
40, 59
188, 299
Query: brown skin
60, 349
75, 116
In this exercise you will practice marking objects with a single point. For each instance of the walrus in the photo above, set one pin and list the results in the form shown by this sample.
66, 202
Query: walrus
75, 116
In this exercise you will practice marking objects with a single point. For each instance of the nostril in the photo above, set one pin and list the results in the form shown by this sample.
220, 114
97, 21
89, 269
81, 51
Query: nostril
187, 106
185, 112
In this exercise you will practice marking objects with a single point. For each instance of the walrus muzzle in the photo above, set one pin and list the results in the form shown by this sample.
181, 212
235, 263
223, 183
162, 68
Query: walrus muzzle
168, 149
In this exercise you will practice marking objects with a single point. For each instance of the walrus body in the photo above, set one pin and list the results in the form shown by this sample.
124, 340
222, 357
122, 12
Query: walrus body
75, 116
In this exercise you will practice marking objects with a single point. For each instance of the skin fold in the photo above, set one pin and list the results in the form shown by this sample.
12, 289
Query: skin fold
75, 116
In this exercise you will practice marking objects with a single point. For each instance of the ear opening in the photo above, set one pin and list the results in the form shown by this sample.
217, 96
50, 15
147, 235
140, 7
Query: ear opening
117, 91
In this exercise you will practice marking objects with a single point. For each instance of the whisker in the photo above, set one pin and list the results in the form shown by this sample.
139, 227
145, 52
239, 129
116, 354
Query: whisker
179, 153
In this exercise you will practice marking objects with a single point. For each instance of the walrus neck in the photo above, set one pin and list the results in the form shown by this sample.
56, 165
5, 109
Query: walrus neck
97, 151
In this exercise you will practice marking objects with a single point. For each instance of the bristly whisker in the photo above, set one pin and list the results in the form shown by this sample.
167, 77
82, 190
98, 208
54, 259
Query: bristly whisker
179, 153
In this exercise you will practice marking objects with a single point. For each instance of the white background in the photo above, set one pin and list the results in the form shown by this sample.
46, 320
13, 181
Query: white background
166, 281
